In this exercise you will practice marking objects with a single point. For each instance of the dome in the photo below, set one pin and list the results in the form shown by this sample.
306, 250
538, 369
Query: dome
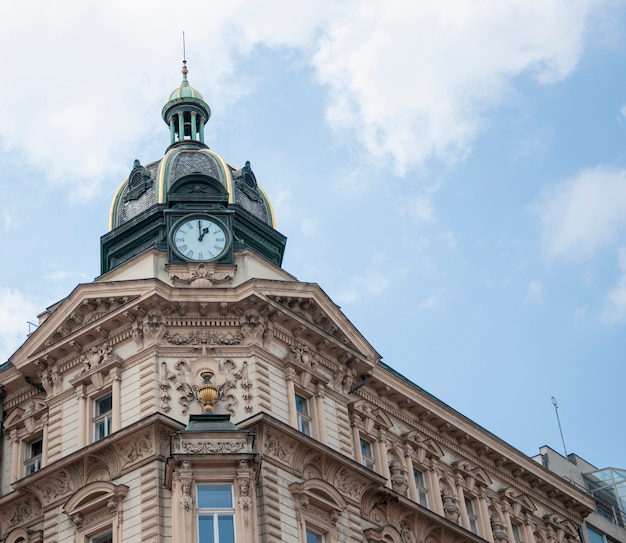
189, 178
191, 162
185, 90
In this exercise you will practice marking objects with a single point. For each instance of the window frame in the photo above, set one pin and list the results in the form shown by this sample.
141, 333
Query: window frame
368, 461
104, 536
517, 531
472, 515
29, 458
421, 489
216, 512
304, 418
320, 537
98, 418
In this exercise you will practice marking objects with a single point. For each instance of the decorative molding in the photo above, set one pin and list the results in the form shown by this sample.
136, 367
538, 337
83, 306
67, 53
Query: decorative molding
201, 274
214, 447
19, 513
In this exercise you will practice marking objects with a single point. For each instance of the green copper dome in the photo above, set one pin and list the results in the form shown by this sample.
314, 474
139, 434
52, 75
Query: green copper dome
186, 112
185, 90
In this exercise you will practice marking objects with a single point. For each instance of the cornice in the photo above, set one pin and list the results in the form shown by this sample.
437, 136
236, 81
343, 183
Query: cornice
438, 434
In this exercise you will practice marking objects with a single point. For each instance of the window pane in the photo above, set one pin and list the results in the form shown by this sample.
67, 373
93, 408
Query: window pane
312, 537
594, 537
215, 497
205, 529
104, 405
226, 527
302, 405
35, 448
102, 538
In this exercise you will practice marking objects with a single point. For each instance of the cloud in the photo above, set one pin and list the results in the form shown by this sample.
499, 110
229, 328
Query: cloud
15, 312
615, 308
414, 81
407, 81
433, 301
582, 214
534, 292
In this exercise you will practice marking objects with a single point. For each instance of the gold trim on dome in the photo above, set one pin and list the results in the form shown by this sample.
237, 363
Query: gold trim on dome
118, 192
162, 167
269, 204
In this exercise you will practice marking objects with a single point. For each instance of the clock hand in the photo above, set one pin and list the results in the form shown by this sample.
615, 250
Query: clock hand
204, 231
199, 230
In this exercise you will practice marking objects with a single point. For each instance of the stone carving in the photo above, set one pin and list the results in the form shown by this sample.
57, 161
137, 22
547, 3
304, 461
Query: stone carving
53, 487
154, 326
398, 480
253, 327
450, 508
406, 534
246, 386
135, 448
18, 513
278, 447
167, 377
95, 356
200, 274
204, 338
212, 446
348, 484
186, 499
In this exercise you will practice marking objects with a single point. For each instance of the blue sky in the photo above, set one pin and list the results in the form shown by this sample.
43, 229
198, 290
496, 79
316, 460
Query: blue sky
452, 174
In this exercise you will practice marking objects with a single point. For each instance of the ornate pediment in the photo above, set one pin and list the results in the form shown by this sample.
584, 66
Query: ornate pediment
472, 474
309, 310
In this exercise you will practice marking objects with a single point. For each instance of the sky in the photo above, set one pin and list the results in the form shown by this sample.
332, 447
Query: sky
452, 174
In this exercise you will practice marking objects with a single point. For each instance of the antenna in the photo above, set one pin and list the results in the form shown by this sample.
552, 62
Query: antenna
558, 420
184, 52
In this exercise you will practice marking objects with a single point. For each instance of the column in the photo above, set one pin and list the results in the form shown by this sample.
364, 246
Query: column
320, 414
44, 448
202, 129
83, 415
116, 398
506, 508
483, 517
408, 465
181, 126
15, 456
290, 375
434, 490
356, 438
381, 457
172, 130
461, 496
193, 125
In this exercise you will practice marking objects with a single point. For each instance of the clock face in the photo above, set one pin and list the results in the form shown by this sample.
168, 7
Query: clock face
199, 237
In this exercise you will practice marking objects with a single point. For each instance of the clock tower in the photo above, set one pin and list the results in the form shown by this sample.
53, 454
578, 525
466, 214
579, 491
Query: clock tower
190, 211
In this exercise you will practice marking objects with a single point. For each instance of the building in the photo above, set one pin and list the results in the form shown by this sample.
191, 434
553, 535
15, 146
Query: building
196, 391
607, 524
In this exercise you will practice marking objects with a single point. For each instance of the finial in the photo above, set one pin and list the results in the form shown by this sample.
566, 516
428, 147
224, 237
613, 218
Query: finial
185, 71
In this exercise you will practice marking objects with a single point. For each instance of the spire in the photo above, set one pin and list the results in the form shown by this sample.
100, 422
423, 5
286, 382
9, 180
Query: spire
186, 112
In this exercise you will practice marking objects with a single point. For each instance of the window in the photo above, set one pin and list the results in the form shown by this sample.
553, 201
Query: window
303, 414
106, 537
596, 536
32, 456
102, 417
421, 487
314, 537
517, 532
216, 514
471, 515
367, 452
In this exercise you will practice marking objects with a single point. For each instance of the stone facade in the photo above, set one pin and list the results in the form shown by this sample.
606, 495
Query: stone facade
371, 457
175, 401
